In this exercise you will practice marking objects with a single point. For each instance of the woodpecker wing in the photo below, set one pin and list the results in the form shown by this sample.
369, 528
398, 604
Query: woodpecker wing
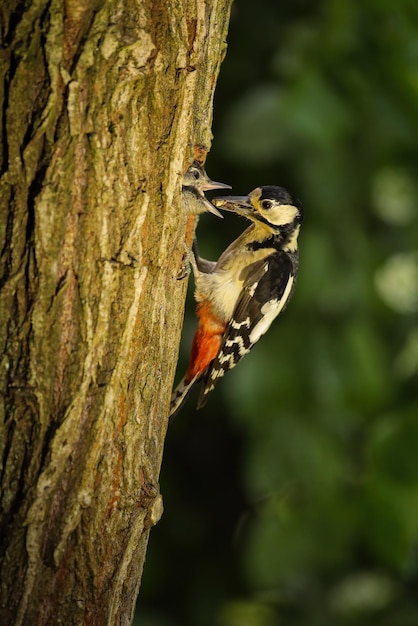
268, 285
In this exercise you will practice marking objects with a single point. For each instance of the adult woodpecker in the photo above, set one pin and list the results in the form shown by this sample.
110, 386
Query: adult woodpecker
240, 295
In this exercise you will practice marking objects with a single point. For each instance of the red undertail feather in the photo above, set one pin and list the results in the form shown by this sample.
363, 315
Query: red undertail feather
206, 342
205, 347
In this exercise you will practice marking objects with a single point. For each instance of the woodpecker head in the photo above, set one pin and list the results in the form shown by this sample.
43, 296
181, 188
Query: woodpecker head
273, 207
196, 177
196, 182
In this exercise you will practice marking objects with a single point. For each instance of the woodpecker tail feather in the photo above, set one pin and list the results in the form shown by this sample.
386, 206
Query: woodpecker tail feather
179, 395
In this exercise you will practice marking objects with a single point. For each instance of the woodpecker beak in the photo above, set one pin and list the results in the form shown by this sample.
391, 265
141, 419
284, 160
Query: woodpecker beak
211, 184
235, 204
208, 186
209, 207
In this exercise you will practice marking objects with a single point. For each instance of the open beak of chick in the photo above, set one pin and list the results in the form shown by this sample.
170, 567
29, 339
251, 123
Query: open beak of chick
208, 186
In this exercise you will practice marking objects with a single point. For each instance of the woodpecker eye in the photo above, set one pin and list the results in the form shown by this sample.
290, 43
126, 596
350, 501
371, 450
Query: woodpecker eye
267, 204
196, 174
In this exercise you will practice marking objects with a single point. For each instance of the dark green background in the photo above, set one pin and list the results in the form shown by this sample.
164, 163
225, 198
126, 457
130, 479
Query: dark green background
292, 497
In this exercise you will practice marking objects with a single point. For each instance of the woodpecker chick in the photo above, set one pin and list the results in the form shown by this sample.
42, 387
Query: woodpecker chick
240, 295
195, 183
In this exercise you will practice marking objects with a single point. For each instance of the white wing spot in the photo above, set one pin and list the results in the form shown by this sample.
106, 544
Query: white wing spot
216, 374
238, 325
251, 291
223, 358
241, 348
270, 311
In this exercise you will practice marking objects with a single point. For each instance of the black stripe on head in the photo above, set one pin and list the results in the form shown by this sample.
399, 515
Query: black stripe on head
281, 195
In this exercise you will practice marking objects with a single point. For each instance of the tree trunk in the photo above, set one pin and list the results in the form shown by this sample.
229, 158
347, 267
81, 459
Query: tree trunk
104, 104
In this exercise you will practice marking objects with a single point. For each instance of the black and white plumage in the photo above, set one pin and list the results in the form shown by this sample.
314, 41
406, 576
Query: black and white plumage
195, 183
254, 278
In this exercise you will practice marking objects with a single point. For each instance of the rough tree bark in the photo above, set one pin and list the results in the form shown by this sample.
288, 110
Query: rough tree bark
104, 104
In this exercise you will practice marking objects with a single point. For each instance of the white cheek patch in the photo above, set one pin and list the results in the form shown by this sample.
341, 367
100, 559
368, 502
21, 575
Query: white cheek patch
270, 311
283, 214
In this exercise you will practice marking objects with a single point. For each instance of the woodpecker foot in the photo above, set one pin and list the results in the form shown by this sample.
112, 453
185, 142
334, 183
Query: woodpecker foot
184, 270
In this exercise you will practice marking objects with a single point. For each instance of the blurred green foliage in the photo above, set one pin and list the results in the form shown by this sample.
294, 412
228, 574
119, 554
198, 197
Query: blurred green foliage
292, 498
